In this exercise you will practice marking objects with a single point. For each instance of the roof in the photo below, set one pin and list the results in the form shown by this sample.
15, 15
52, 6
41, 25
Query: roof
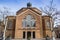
31, 8
10, 16
46, 16
57, 28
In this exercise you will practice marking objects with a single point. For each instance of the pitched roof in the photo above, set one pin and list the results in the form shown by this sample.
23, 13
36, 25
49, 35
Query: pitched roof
32, 8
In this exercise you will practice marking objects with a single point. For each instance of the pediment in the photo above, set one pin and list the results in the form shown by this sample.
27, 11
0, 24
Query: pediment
37, 11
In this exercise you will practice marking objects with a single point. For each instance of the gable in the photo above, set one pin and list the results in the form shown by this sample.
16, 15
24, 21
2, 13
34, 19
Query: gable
32, 9
28, 11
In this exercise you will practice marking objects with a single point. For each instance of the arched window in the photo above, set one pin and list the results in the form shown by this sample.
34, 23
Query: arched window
28, 21
48, 24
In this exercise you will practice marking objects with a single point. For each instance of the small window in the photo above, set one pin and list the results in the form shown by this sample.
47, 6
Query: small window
10, 24
48, 24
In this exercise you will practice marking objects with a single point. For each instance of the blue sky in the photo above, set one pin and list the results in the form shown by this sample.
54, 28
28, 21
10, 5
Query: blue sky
15, 5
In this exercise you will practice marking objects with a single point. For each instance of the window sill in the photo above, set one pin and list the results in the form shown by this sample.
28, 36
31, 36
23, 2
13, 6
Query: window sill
28, 27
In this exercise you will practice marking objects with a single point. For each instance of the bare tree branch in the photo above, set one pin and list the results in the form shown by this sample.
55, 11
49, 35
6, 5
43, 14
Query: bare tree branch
50, 10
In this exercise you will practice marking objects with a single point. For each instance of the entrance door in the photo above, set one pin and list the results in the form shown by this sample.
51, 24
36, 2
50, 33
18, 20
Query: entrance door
28, 35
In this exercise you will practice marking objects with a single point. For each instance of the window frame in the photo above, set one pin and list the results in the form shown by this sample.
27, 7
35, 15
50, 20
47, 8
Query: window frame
27, 21
10, 24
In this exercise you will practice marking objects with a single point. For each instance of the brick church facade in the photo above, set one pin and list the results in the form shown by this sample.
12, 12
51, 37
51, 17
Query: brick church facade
28, 23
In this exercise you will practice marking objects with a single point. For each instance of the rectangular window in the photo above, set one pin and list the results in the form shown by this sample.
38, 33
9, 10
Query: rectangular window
33, 34
10, 24
24, 34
